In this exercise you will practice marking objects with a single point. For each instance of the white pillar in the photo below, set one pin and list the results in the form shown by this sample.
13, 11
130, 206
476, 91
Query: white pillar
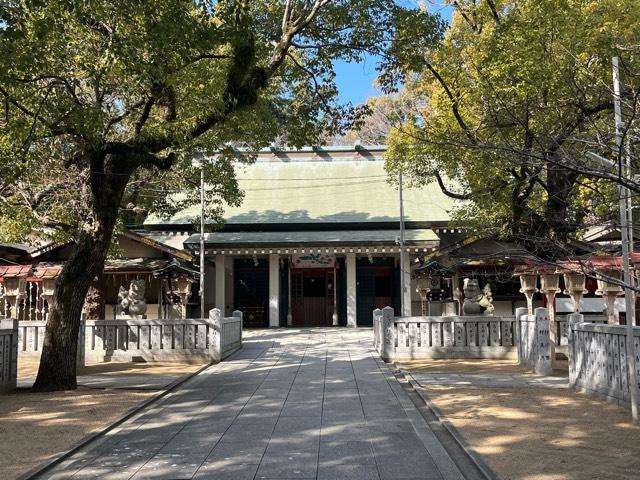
220, 283
405, 282
274, 290
352, 320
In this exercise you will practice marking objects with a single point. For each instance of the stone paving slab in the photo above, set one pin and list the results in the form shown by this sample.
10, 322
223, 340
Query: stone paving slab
292, 404
490, 380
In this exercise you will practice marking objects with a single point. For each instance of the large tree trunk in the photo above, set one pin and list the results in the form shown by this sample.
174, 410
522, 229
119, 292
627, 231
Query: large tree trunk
560, 181
57, 369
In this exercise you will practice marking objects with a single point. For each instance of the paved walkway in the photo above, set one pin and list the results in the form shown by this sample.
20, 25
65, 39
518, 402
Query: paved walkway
489, 380
293, 404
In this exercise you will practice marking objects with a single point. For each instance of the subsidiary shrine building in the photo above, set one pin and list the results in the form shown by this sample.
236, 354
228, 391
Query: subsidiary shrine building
316, 239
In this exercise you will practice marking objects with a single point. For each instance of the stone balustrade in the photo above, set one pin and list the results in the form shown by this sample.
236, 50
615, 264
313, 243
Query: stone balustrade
31, 338
207, 339
192, 340
562, 329
598, 362
443, 337
8, 354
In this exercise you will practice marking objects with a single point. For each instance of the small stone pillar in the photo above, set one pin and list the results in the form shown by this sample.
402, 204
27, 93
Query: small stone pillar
609, 291
81, 354
238, 314
528, 283
215, 335
543, 364
377, 321
388, 334
572, 320
549, 285
574, 287
520, 313
9, 354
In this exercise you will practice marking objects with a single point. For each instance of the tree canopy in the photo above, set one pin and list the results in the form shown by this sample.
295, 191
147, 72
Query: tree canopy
105, 104
150, 81
508, 106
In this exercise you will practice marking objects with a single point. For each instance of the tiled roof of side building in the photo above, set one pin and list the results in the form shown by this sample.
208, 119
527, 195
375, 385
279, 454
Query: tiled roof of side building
324, 185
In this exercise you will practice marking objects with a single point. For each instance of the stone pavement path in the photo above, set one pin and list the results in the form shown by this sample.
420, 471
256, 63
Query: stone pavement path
292, 404
489, 380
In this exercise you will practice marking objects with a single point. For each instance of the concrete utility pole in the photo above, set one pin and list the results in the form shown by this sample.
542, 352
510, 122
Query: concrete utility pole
202, 312
626, 221
403, 285
626, 225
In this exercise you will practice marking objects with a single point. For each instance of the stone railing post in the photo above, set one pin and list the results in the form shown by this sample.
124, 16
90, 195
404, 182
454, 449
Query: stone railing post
81, 353
377, 313
519, 313
388, 334
573, 353
543, 365
9, 354
215, 335
238, 314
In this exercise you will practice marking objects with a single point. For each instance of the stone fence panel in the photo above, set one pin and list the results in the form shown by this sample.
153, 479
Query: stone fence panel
598, 362
191, 340
31, 339
443, 337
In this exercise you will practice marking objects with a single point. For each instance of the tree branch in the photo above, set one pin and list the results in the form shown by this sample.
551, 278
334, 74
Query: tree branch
447, 192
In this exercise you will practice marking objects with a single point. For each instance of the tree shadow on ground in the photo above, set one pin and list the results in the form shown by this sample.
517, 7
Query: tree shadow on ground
540, 433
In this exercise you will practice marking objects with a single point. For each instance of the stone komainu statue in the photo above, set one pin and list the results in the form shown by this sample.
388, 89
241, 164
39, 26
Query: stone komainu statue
476, 301
132, 302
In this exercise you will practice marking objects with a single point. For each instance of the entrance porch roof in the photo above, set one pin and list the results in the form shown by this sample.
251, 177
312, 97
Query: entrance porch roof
345, 238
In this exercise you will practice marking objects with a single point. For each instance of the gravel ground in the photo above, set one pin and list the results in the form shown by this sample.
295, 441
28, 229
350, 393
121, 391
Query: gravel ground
537, 433
34, 426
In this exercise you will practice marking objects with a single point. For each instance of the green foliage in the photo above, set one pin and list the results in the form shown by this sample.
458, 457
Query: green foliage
509, 104
95, 91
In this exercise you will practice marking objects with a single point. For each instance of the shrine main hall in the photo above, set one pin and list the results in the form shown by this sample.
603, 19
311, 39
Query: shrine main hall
316, 241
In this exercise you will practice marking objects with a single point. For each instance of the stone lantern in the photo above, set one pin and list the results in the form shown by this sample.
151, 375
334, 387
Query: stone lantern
423, 287
181, 286
48, 289
14, 290
609, 291
528, 283
574, 287
550, 286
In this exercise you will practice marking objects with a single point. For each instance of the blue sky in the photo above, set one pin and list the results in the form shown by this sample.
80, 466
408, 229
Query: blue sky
356, 80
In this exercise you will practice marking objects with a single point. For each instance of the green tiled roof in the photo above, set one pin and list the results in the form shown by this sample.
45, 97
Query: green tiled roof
324, 186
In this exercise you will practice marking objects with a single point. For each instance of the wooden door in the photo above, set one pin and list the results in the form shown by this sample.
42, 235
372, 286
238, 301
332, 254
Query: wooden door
312, 292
